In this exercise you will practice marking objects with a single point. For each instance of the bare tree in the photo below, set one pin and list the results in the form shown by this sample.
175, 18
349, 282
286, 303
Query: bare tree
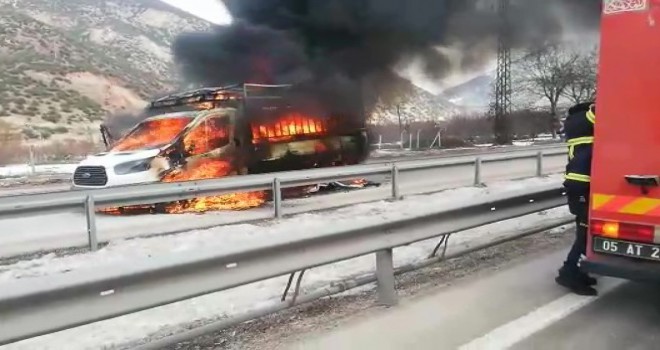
548, 72
583, 87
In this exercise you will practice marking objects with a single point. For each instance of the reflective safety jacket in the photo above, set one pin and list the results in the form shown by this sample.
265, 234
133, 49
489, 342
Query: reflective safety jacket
579, 130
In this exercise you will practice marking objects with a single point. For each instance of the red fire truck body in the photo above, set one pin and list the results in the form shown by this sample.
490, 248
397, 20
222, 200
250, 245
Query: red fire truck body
624, 230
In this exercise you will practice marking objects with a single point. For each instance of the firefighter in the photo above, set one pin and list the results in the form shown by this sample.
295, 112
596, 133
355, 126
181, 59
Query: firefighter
579, 131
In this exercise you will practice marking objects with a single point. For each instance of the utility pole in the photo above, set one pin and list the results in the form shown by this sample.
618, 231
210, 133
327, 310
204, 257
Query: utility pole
502, 106
398, 113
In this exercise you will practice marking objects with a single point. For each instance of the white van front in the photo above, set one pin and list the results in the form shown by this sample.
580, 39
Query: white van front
112, 169
136, 158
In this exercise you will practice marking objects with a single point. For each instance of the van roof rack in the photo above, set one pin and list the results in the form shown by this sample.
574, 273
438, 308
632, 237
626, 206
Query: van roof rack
221, 94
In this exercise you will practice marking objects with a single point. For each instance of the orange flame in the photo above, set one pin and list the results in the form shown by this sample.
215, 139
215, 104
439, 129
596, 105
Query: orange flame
206, 137
201, 170
152, 133
287, 127
211, 169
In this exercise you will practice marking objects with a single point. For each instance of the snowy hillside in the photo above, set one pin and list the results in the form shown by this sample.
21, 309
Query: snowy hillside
414, 104
476, 95
473, 94
419, 106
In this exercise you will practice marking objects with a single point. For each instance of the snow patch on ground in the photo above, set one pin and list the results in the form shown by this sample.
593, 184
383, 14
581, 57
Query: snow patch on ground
20, 170
237, 237
523, 143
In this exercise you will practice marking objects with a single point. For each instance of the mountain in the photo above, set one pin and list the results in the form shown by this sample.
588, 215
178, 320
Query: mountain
473, 94
413, 103
66, 64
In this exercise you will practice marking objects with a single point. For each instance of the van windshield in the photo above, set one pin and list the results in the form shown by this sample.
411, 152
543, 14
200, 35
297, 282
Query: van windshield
153, 133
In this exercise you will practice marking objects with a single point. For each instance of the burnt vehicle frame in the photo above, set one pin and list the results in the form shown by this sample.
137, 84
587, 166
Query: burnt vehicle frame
243, 106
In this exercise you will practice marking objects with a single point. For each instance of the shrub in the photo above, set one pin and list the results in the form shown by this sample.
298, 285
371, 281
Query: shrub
52, 117
454, 142
30, 133
60, 130
45, 133
94, 116
10, 143
62, 95
85, 102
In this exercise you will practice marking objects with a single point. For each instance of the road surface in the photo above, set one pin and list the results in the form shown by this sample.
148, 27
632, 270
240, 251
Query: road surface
518, 307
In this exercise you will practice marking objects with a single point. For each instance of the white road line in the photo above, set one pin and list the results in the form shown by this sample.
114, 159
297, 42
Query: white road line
517, 330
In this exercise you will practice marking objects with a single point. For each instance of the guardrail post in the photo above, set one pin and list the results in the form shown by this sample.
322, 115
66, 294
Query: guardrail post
539, 164
90, 213
277, 198
477, 172
385, 276
396, 195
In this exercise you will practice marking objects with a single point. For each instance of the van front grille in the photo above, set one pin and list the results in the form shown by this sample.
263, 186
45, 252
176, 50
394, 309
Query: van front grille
90, 176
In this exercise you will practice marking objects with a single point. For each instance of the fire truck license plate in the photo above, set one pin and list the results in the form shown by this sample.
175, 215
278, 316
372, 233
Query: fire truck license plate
623, 248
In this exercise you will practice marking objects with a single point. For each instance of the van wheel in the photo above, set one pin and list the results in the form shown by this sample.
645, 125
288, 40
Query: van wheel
160, 208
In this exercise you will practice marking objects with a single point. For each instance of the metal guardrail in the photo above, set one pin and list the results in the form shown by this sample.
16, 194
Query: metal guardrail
38, 306
91, 200
338, 287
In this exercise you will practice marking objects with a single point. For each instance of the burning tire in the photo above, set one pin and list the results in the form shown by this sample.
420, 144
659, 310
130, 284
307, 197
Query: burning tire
160, 208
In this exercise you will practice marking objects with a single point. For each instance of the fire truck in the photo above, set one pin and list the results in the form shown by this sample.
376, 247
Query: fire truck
624, 229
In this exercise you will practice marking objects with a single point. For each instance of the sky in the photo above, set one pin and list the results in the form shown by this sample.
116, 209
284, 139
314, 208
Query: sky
213, 11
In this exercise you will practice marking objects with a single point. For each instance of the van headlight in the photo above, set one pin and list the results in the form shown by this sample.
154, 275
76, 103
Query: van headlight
136, 166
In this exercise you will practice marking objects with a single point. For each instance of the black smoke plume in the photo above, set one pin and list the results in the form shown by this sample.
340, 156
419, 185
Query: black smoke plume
294, 41
343, 51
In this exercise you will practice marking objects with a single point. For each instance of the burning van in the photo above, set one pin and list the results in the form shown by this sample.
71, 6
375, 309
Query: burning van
217, 132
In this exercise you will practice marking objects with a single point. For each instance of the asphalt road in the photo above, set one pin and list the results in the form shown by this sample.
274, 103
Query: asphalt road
518, 307
626, 318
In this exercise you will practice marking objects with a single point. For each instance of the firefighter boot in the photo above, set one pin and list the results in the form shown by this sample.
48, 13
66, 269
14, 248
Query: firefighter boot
572, 279
590, 281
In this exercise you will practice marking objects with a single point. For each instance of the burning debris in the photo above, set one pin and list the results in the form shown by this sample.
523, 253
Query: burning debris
211, 169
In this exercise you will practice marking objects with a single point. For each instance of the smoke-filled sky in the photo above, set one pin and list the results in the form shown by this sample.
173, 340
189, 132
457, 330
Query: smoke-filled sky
464, 28
291, 41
